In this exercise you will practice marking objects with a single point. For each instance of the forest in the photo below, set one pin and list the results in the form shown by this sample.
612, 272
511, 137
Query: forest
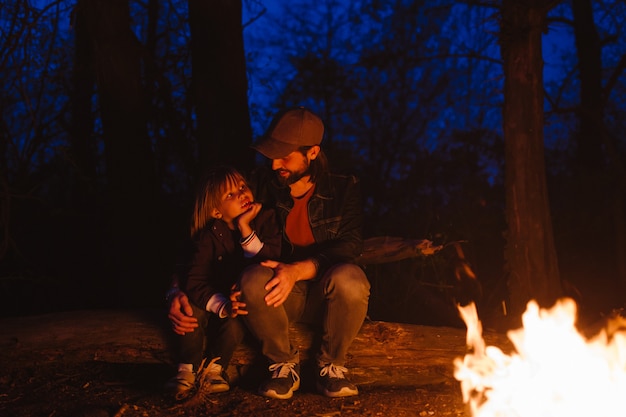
496, 124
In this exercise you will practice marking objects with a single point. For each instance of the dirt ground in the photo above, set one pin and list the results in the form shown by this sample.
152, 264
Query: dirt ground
96, 389
99, 364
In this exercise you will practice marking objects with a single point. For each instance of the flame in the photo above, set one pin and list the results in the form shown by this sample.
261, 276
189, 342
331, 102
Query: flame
554, 371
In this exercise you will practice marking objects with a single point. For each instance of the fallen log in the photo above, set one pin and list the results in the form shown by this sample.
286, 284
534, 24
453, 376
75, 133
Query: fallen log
392, 354
385, 249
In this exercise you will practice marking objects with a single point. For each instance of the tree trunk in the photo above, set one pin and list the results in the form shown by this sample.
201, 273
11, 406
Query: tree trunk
220, 84
128, 155
530, 253
600, 179
588, 49
82, 125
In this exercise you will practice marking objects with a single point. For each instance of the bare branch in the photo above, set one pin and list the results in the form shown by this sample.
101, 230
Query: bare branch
615, 75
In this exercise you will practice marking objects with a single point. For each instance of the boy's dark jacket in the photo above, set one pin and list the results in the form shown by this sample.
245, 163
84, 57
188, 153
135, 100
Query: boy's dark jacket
216, 258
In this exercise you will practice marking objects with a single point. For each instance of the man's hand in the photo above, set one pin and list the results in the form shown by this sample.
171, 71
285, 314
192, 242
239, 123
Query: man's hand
285, 277
181, 314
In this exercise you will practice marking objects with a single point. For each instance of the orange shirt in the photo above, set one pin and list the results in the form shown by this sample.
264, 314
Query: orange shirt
297, 225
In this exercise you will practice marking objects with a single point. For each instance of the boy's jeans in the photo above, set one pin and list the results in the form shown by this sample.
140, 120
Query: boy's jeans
212, 338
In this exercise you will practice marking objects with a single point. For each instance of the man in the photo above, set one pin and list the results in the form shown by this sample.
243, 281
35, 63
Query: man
315, 280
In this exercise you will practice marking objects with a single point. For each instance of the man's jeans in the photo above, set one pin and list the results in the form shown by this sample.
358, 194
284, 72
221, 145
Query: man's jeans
337, 302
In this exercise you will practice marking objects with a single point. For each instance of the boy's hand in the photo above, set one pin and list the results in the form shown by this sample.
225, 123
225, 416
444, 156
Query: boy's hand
244, 219
235, 307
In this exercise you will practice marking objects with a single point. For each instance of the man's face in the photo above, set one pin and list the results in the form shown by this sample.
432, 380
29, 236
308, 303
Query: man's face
292, 167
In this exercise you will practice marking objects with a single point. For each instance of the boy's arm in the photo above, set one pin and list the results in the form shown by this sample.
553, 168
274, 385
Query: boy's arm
269, 233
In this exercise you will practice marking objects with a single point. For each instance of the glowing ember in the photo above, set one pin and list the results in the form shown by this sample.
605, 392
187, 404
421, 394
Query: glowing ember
554, 372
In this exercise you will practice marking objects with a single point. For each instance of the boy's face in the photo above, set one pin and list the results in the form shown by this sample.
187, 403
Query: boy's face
235, 201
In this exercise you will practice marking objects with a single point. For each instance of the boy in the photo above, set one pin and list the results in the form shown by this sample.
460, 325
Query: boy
229, 232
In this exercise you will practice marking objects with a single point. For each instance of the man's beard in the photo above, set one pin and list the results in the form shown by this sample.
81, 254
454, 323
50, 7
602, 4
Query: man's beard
293, 176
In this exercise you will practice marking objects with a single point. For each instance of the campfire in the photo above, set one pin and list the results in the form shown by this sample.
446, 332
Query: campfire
554, 371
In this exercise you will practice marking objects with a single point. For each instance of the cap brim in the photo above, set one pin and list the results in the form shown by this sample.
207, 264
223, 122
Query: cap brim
274, 149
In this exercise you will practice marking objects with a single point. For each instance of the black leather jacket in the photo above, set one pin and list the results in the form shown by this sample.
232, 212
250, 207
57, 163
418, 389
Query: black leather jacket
335, 216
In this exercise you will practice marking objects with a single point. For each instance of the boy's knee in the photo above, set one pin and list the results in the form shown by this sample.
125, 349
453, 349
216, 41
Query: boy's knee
200, 314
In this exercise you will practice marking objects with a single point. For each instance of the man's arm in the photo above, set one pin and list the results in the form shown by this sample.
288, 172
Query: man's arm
180, 313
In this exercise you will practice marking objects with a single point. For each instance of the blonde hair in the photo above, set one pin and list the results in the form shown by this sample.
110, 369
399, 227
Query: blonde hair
209, 195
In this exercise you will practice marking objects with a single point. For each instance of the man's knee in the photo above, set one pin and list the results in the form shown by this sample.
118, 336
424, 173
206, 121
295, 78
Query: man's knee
349, 280
252, 282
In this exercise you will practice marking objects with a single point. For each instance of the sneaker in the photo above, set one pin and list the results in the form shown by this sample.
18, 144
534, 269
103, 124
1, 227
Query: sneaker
181, 385
212, 378
332, 382
283, 382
